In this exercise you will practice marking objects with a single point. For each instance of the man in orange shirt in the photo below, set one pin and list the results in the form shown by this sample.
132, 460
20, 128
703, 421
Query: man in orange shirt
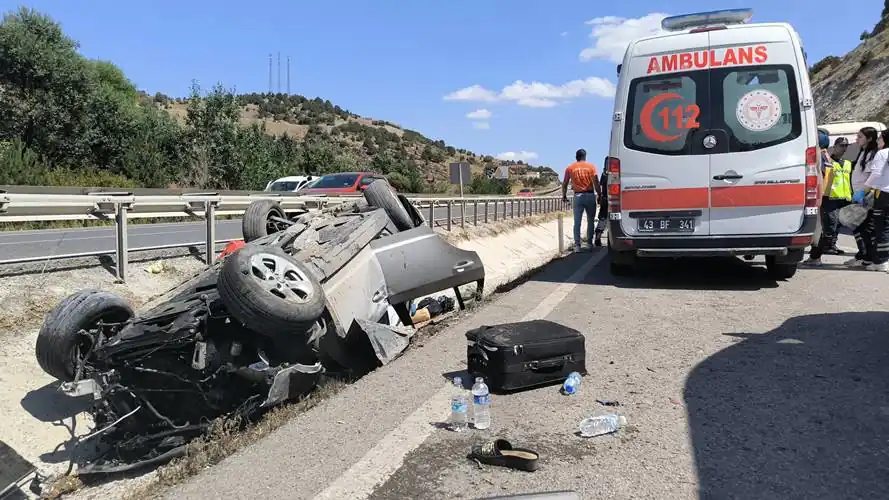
585, 183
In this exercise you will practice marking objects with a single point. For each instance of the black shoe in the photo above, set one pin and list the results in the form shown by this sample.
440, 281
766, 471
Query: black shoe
501, 453
598, 240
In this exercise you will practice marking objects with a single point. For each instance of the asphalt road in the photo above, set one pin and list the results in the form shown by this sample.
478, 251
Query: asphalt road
734, 386
54, 242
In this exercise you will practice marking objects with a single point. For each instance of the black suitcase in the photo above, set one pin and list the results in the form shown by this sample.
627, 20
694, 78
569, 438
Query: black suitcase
523, 355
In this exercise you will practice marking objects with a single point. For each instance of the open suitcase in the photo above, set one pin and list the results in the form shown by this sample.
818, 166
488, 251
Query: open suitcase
523, 355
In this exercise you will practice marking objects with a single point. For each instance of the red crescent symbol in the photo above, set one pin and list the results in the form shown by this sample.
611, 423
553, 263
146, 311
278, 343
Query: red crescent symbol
648, 121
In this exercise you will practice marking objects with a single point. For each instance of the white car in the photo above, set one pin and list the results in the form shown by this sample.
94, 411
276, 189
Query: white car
290, 184
713, 146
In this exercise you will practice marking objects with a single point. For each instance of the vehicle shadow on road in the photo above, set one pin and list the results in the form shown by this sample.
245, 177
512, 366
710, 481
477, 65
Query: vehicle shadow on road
799, 412
705, 273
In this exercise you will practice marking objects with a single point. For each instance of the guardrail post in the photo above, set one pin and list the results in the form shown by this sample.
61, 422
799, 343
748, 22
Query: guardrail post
432, 213
475, 213
450, 218
486, 210
497, 207
561, 232
210, 216
462, 214
122, 246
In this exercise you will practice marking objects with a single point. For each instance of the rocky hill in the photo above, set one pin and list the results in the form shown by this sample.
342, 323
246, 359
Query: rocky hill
855, 86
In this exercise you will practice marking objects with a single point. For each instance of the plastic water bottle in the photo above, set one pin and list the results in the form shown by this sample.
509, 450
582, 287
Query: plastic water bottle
604, 424
459, 420
572, 383
481, 404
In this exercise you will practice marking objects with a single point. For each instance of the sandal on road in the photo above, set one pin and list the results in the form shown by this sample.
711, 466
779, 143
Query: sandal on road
502, 454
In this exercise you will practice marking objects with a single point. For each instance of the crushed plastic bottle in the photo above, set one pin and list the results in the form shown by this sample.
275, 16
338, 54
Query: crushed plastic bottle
459, 420
572, 383
603, 424
481, 404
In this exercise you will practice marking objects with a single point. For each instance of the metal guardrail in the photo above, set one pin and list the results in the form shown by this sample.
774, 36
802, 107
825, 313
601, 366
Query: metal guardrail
124, 206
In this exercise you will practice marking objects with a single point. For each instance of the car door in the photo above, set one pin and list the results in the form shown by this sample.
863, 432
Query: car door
664, 170
758, 164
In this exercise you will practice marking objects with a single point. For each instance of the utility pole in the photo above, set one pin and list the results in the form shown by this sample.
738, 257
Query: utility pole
279, 72
270, 73
288, 75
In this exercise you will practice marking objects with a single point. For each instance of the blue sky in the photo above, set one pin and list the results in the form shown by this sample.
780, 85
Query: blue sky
397, 60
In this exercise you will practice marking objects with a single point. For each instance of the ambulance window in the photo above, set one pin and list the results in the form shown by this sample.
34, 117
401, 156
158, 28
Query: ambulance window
758, 107
662, 113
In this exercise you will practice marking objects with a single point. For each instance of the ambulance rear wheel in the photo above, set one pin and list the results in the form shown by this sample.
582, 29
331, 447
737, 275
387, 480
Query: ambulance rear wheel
620, 263
780, 270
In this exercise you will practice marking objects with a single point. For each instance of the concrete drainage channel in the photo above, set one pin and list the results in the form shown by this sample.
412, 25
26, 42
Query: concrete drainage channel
30, 400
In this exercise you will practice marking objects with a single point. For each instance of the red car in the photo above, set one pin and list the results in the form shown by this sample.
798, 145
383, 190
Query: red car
525, 192
340, 183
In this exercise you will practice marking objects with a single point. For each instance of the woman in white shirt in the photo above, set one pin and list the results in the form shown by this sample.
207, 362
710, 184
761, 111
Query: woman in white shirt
878, 184
867, 143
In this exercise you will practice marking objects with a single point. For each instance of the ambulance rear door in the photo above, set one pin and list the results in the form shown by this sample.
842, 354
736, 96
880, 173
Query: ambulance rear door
758, 140
664, 171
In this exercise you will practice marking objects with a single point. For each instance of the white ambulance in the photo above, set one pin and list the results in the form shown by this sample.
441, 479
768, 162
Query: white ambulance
714, 145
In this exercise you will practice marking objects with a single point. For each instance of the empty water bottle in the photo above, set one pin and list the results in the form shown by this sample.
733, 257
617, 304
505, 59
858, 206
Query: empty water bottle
481, 404
604, 424
572, 383
459, 420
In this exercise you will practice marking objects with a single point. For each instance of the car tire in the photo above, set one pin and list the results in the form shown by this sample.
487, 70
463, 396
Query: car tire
257, 221
620, 263
60, 343
290, 307
379, 194
780, 270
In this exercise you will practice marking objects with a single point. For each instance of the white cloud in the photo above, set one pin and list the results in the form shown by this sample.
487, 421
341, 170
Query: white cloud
537, 94
481, 125
473, 93
479, 114
563, 34
611, 35
518, 155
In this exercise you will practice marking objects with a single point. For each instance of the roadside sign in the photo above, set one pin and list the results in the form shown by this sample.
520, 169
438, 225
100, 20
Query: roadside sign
502, 172
460, 173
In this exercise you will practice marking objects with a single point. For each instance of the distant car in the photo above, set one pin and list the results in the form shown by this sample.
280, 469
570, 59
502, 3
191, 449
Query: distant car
290, 184
525, 192
341, 183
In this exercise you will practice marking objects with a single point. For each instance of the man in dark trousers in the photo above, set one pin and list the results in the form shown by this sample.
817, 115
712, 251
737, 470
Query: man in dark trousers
603, 207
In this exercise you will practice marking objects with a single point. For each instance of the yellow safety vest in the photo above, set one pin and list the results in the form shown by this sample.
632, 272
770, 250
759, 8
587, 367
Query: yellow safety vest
841, 186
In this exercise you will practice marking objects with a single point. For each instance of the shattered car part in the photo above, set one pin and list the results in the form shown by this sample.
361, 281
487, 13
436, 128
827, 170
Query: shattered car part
320, 292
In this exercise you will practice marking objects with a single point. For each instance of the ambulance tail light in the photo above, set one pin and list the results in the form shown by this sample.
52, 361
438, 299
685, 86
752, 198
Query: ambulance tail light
612, 166
812, 194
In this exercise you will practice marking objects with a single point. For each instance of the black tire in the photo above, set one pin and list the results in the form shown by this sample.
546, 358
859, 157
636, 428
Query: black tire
256, 222
261, 309
379, 194
620, 263
780, 270
59, 342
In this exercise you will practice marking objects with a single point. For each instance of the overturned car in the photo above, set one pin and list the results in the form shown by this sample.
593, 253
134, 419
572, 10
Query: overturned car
311, 293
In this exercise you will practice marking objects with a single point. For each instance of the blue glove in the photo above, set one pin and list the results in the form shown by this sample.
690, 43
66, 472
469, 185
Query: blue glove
858, 196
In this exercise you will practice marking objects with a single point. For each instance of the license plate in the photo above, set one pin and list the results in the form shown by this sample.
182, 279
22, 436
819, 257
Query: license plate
667, 225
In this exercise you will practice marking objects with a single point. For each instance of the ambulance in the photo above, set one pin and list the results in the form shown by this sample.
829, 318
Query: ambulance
714, 146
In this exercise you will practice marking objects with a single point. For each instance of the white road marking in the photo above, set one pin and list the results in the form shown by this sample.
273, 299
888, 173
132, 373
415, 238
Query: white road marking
384, 459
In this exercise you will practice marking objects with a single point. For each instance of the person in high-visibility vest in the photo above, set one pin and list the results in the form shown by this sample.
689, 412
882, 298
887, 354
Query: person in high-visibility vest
837, 194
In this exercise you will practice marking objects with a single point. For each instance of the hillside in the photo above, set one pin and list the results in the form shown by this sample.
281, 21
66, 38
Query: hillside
69, 120
854, 86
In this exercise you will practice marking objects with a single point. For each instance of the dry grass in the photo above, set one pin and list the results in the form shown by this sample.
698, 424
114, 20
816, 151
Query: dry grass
225, 437
62, 486
458, 234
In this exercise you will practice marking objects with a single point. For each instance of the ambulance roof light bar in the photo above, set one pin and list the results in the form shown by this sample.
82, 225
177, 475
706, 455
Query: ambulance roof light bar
699, 19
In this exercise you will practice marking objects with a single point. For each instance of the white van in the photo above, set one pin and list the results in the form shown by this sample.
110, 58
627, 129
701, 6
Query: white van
290, 184
714, 144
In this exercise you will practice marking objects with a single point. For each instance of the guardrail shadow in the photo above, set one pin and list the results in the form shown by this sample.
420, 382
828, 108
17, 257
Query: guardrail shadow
799, 412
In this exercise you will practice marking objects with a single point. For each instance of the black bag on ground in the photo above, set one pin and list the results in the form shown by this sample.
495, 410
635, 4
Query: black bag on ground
527, 354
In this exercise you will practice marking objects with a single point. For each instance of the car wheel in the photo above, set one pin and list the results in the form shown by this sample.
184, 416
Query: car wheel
379, 194
259, 219
270, 292
69, 330
780, 270
620, 263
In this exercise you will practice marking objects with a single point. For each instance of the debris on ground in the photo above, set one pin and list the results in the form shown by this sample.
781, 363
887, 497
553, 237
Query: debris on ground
305, 296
